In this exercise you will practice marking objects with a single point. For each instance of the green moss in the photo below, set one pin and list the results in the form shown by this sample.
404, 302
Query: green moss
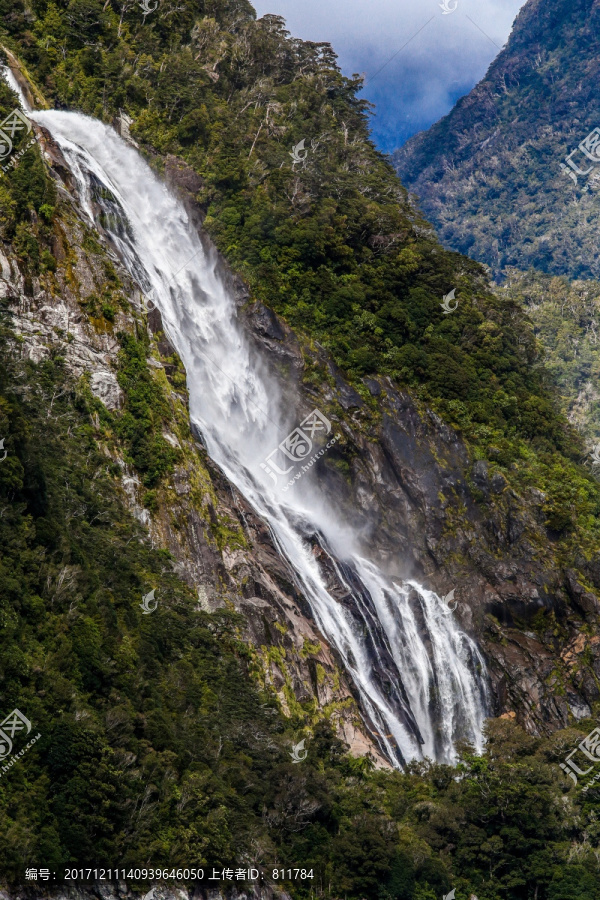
310, 648
145, 410
227, 533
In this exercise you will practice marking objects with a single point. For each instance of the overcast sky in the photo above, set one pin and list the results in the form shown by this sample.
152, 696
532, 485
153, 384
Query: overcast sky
437, 65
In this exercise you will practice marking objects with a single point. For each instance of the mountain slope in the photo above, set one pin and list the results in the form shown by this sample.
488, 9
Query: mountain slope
489, 174
565, 317
456, 462
157, 746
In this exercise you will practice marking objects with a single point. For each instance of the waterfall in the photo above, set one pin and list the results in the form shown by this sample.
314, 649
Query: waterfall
420, 679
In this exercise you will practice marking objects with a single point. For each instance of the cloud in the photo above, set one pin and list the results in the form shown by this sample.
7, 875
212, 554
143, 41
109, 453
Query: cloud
416, 60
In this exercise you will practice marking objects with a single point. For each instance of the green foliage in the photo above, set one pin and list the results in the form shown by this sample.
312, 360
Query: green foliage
155, 743
25, 190
139, 716
139, 427
566, 321
330, 243
25, 187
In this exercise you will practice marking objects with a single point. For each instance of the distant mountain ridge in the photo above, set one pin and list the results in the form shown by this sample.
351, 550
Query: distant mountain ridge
489, 175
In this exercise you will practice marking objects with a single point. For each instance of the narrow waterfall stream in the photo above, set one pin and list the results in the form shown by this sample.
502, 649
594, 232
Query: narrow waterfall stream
421, 680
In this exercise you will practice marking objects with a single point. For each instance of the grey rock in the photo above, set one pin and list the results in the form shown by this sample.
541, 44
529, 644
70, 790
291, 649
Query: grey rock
266, 322
498, 482
348, 398
373, 386
480, 475
105, 386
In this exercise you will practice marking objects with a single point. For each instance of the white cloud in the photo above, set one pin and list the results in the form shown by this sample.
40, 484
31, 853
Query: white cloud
422, 81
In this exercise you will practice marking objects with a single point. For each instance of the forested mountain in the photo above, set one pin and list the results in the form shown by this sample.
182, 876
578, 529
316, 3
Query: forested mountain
222, 726
565, 315
493, 175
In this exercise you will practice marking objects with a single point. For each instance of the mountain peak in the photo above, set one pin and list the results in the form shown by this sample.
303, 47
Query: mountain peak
489, 174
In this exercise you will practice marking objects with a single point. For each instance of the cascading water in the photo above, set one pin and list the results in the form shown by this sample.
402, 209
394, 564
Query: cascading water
420, 679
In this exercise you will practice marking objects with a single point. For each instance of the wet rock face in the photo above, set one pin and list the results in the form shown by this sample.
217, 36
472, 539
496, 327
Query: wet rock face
181, 176
469, 532
431, 512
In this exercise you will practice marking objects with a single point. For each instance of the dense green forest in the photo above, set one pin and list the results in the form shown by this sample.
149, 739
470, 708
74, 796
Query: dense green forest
565, 318
331, 243
158, 747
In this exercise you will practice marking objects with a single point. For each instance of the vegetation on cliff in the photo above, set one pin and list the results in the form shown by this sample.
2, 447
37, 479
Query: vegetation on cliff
324, 234
488, 174
566, 320
328, 241
156, 747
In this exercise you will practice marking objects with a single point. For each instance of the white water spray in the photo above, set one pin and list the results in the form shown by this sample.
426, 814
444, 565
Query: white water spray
420, 679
